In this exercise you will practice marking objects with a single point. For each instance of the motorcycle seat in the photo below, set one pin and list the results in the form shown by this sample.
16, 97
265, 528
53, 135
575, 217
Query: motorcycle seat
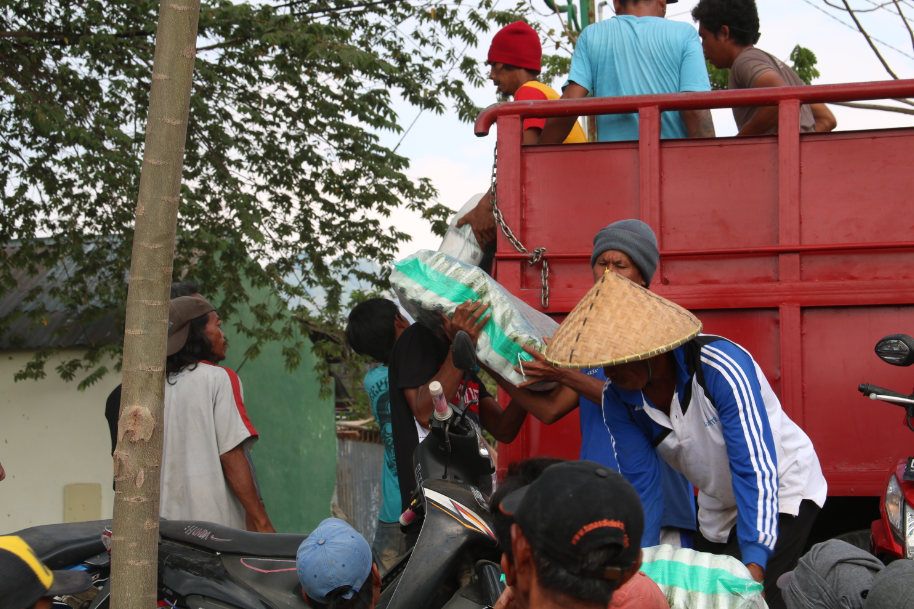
219, 538
62, 545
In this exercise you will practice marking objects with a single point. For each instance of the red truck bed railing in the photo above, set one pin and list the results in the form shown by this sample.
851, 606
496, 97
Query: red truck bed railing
797, 246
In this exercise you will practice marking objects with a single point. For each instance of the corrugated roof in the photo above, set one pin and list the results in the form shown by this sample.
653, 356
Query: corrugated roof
59, 327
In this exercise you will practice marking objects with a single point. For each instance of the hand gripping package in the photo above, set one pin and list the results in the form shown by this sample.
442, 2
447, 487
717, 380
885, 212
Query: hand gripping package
429, 283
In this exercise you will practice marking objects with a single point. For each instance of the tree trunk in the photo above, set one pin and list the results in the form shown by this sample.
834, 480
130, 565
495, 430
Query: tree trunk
138, 457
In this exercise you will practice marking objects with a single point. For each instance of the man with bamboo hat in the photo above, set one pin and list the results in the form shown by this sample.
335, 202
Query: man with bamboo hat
627, 248
704, 404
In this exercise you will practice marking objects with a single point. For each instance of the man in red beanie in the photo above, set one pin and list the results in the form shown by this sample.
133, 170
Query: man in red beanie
515, 58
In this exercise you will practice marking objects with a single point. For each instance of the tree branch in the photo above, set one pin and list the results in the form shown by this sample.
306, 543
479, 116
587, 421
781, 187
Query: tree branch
868, 40
876, 7
333, 10
65, 38
219, 45
873, 107
904, 19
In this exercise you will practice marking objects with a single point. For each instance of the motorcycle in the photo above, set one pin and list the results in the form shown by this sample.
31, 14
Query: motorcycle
454, 561
892, 536
202, 565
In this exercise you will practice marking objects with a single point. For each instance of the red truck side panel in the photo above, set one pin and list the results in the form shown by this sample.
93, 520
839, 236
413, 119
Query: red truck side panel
798, 247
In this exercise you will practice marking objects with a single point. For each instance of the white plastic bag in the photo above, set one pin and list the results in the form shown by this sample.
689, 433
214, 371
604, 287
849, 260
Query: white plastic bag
698, 580
429, 283
460, 243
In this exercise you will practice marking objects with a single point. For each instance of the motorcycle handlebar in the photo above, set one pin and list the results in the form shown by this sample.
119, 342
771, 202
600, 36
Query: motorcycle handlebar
867, 390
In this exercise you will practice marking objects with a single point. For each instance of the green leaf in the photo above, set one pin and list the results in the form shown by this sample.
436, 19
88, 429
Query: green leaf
720, 79
804, 64
284, 177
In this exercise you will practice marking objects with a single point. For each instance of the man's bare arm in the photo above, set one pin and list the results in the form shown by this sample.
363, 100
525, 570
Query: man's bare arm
540, 370
557, 129
698, 123
238, 473
480, 218
825, 120
470, 317
765, 117
547, 406
503, 424
420, 399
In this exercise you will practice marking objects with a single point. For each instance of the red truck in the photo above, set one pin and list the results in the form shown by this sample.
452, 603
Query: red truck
799, 247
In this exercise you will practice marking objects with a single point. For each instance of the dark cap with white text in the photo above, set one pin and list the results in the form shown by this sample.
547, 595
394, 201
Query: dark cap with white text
576, 507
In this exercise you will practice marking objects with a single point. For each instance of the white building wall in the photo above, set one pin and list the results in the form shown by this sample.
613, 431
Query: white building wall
51, 435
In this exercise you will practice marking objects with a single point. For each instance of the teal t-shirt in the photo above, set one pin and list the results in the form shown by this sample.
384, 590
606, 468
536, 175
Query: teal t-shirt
629, 55
379, 394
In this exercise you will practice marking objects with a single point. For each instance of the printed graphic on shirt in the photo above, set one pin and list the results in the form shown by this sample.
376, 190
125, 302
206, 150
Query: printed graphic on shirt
378, 388
472, 394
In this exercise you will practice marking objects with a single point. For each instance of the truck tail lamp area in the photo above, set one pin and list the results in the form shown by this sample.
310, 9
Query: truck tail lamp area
799, 247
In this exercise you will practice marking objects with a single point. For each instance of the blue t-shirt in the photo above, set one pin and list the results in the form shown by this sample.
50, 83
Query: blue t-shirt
597, 445
629, 55
376, 385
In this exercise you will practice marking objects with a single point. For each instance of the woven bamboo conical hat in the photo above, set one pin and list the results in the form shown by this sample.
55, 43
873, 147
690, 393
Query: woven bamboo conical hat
619, 322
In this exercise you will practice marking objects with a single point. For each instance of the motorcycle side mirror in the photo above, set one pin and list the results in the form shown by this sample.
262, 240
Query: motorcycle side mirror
896, 349
464, 353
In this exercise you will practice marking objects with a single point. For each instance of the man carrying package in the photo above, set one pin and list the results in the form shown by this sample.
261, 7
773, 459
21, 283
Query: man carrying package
702, 404
421, 356
627, 248
515, 59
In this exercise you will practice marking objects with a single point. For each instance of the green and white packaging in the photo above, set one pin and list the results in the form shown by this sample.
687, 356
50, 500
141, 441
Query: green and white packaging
429, 283
698, 580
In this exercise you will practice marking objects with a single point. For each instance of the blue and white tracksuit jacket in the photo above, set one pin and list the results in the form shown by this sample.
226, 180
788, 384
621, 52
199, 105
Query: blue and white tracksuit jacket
728, 434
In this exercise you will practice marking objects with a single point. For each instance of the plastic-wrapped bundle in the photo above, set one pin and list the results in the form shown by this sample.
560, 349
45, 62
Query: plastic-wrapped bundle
460, 243
698, 580
428, 283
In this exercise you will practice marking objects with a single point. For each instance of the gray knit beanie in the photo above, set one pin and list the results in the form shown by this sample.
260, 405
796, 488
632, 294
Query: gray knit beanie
633, 237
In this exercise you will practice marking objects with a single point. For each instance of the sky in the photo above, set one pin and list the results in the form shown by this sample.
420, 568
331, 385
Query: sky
459, 164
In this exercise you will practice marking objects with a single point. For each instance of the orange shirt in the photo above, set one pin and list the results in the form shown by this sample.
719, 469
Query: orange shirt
536, 91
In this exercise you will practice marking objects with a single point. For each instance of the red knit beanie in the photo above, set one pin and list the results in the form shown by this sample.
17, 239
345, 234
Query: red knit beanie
517, 45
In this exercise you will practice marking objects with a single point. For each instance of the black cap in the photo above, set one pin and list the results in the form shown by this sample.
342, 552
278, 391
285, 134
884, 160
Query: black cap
576, 507
24, 578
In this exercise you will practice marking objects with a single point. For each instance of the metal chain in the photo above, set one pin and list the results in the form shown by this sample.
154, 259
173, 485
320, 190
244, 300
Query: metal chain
534, 257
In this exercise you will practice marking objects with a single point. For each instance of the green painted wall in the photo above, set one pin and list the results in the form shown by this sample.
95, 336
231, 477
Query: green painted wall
295, 456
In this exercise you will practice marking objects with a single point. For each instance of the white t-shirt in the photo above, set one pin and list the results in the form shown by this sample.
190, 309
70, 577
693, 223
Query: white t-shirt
421, 431
204, 418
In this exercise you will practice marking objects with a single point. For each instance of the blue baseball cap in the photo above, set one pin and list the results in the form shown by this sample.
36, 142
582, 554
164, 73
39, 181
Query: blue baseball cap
334, 555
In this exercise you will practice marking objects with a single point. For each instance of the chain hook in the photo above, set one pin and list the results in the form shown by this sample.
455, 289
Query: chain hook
538, 254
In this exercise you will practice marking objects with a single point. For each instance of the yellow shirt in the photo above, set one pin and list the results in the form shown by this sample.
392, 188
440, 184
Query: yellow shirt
536, 91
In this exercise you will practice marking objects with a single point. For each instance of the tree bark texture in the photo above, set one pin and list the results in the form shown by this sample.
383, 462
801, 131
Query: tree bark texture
138, 457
